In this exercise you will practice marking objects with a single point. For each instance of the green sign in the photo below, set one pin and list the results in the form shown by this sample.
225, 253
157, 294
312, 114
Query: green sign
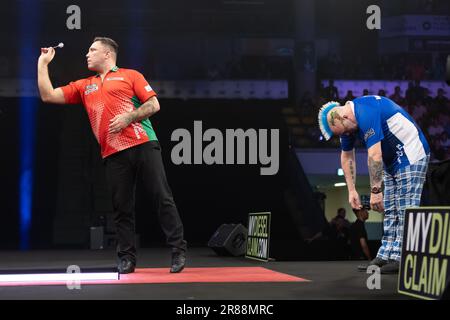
424, 269
258, 238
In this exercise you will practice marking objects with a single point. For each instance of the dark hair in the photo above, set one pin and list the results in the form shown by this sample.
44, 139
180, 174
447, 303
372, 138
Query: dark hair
357, 211
108, 42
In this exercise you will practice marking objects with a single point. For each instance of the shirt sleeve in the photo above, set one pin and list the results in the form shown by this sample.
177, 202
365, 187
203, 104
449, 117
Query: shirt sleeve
347, 142
141, 87
72, 93
370, 124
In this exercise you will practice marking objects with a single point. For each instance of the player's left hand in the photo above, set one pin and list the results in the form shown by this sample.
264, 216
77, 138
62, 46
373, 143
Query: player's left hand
376, 202
119, 122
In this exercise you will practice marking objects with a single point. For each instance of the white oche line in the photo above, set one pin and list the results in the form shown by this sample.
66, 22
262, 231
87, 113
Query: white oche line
40, 277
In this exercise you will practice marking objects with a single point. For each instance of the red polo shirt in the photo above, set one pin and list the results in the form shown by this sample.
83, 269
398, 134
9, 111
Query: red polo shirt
122, 91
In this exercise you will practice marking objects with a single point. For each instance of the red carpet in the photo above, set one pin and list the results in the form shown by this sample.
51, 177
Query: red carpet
162, 275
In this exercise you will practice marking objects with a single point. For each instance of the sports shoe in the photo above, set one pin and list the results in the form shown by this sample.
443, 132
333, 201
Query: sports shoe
375, 262
178, 261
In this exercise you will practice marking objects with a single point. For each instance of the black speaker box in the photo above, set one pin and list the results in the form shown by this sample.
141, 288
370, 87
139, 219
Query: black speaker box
229, 240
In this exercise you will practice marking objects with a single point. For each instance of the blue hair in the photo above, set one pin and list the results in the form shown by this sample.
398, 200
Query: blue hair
322, 118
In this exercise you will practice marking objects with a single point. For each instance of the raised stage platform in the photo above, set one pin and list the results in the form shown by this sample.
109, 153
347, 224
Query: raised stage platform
207, 277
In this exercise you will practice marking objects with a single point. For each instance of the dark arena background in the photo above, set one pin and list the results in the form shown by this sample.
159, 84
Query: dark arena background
260, 69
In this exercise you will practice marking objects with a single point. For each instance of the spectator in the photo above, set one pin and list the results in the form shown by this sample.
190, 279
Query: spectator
389, 67
438, 151
336, 229
435, 129
365, 92
410, 94
440, 100
397, 96
331, 92
445, 141
325, 234
349, 96
358, 236
410, 109
332, 231
446, 120
341, 227
419, 111
419, 91
427, 99
340, 216
382, 93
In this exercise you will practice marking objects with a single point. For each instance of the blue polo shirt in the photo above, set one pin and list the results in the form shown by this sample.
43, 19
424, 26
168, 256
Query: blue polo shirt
381, 119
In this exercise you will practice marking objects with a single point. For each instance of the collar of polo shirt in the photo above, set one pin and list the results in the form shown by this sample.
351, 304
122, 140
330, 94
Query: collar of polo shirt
113, 69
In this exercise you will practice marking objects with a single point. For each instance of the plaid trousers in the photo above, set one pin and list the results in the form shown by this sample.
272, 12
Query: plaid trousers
401, 190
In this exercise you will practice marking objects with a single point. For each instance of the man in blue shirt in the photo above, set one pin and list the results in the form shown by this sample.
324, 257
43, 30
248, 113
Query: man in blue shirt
398, 155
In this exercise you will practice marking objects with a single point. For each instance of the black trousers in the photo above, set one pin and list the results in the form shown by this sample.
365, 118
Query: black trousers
122, 171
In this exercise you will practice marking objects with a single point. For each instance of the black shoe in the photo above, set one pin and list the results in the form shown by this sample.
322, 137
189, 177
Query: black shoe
391, 267
375, 262
178, 261
362, 267
126, 266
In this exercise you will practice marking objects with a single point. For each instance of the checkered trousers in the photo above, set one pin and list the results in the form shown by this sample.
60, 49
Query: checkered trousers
401, 191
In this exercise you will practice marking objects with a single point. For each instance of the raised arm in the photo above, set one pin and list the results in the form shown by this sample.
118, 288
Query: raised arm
47, 92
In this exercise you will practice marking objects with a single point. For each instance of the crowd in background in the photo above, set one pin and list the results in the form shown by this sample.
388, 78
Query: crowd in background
384, 67
430, 111
349, 240
247, 67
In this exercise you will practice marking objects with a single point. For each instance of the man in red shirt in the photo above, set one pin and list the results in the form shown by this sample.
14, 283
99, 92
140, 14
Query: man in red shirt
118, 103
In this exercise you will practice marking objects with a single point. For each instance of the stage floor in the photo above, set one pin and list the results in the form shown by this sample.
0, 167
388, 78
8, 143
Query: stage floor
292, 280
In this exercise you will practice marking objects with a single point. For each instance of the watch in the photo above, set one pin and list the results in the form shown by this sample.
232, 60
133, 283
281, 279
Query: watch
375, 190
